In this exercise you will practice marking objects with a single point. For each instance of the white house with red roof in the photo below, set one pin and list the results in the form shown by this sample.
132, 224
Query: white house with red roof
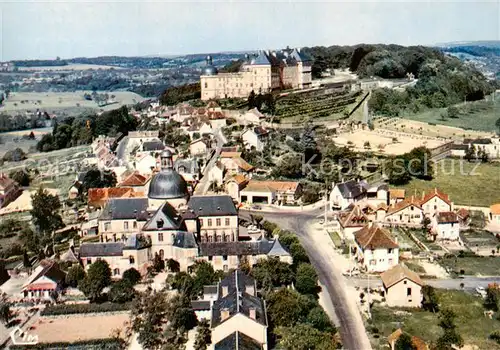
255, 138
446, 226
434, 202
45, 279
406, 212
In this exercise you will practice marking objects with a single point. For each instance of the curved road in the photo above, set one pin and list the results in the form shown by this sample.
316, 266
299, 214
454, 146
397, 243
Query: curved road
322, 255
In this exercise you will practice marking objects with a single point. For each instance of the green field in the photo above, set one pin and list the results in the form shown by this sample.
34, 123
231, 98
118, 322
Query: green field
472, 325
472, 265
479, 115
465, 183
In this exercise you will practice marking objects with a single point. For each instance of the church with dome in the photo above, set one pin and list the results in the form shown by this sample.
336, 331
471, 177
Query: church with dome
171, 224
262, 72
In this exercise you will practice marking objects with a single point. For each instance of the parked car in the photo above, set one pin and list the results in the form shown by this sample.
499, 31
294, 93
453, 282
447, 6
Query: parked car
256, 207
352, 272
481, 291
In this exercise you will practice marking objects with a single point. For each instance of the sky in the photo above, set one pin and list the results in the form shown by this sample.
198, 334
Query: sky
75, 28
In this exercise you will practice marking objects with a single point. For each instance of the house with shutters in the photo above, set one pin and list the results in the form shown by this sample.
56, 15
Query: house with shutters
407, 212
351, 220
376, 250
269, 192
132, 252
434, 202
346, 193
446, 226
402, 287
255, 138
121, 217
238, 316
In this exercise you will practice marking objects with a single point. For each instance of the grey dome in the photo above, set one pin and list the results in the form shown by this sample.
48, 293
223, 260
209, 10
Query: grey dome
209, 70
168, 184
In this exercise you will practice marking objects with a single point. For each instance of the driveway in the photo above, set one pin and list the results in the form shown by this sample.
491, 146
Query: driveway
202, 186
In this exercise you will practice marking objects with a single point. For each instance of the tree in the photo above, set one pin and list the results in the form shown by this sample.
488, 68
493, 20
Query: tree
204, 275
298, 254
286, 307
158, 263
497, 124
251, 100
26, 260
95, 178
271, 273
121, 291
304, 337
396, 171
148, 317
182, 281
14, 155
320, 320
203, 336
5, 311
98, 277
173, 265
452, 112
45, 211
492, 299
290, 166
180, 313
75, 274
31, 240
132, 275
450, 334
404, 342
425, 224
470, 153
419, 163
306, 280
430, 300
21, 177
269, 227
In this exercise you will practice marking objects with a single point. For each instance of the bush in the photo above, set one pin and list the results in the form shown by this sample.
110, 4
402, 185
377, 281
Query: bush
56, 310
132, 275
495, 336
97, 344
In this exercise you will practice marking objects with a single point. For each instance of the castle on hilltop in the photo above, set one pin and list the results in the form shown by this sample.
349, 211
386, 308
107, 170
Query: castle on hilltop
262, 72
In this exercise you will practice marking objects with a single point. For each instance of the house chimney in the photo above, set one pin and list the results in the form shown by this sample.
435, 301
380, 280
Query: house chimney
252, 313
225, 291
224, 314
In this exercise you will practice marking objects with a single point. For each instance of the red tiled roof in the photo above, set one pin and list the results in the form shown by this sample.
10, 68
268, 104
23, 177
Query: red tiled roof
495, 209
373, 237
353, 218
103, 194
445, 217
404, 204
435, 193
397, 274
135, 179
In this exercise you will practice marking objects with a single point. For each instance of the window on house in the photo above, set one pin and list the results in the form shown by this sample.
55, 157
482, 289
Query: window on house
217, 222
206, 85
160, 236
131, 259
125, 225
89, 261
209, 222
227, 222
134, 224
225, 268
373, 262
435, 207
405, 282
210, 258
116, 272
408, 292
201, 222
390, 251
224, 257
107, 226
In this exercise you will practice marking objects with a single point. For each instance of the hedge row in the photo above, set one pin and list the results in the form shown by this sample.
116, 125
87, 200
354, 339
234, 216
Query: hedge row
56, 310
94, 344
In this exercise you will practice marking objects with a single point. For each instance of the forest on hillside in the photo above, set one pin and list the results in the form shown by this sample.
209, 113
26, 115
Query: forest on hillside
442, 80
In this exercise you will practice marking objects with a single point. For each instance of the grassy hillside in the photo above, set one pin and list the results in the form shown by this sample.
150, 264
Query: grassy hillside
463, 182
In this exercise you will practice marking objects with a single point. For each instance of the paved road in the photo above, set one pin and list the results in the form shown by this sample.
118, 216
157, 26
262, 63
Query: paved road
202, 186
322, 255
470, 282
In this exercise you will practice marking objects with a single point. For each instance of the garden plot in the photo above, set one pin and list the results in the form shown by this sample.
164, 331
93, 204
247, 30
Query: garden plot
392, 143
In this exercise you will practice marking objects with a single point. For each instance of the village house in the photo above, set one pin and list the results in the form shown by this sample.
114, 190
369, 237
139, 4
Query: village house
435, 201
98, 197
145, 163
446, 226
238, 313
199, 147
216, 174
377, 194
396, 195
345, 193
489, 145
408, 211
45, 279
9, 190
351, 220
121, 217
234, 164
234, 184
133, 252
189, 169
138, 182
376, 250
402, 287
269, 192
253, 116
464, 218
74, 190
495, 214
255, 138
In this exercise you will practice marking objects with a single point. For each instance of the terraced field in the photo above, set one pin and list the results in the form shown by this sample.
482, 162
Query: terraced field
318, 104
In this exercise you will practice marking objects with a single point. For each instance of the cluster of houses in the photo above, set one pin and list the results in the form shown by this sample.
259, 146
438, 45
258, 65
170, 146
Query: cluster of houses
488, 145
